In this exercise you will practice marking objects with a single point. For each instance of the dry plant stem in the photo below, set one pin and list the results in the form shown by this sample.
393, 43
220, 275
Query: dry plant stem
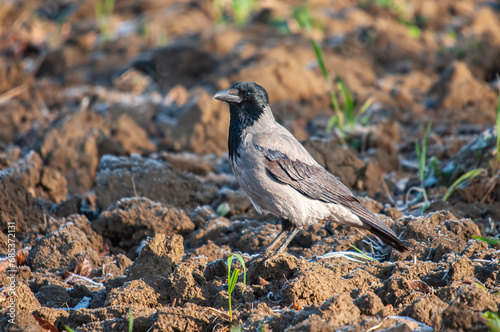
387, 192
221, 314
491, 185
133, 186
14, 92
407, 205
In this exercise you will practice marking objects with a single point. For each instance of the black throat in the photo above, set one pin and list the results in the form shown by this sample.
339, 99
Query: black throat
243, 116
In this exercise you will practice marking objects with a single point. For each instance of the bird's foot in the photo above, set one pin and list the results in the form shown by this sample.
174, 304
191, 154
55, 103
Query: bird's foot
269, 266
260, 258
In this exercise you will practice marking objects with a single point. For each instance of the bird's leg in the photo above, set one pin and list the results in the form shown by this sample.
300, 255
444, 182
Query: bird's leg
276, 240
289, 238
286, 227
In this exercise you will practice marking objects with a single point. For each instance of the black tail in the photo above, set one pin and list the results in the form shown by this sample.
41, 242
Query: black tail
378, 227
389, 238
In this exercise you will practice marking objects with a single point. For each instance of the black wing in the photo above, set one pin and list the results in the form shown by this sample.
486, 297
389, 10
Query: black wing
317, 183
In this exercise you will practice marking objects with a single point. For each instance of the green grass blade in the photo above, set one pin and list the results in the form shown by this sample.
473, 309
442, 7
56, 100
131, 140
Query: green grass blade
303, 17
338, 118
493, 320
348, 105
233, 281
490, 241
417, 149
99, 9
347, 93
426, 205
333, 96
424, 150
481, 286
108, 6
414, 31
464, 178
331, 123
321, 61
130, 320
229, 262
336, 108
242, 262
242, 10
421, 153
69, 329
366, 105
362, 253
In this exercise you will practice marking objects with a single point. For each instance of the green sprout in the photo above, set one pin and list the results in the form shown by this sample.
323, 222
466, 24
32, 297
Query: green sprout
242, 10
69, 329
236, 328
493, 320
365, 256
237, 11
349, 116
385, 3
344, 116
223, 209
414, 31
463, 179
232, 279
452, 34
103, 10
490, 241
481, 286
421, 157
399, 9
130, 320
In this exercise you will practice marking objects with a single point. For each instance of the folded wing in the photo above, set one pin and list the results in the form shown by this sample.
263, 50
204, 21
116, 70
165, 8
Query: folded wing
314, 181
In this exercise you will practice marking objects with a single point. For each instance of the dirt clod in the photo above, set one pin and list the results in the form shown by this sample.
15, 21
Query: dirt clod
59, 249
369, 304
188, 283
340, 310
132, 220
157, 258
135, 292
119, 177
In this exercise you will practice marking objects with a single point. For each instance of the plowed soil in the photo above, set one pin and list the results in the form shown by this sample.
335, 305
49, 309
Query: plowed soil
116, 186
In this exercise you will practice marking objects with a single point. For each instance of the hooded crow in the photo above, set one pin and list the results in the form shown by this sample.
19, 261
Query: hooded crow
281, 177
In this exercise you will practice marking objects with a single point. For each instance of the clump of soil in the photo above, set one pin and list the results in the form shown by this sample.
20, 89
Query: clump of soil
119, 177
131, 220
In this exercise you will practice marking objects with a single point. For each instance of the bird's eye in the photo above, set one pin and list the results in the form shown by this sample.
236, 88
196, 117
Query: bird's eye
248, 93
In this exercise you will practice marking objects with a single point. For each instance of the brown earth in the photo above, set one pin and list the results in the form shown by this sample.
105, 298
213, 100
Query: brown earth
115, 176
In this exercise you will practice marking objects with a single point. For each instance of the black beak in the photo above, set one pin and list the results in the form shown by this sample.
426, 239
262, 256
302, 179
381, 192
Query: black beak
229, 96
